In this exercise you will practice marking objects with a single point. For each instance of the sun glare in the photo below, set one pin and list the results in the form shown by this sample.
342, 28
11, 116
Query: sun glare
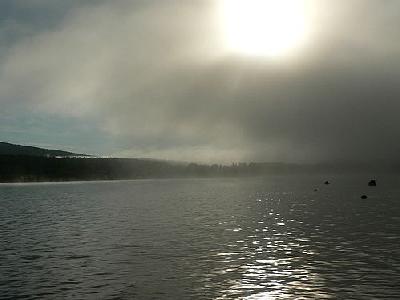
266, 28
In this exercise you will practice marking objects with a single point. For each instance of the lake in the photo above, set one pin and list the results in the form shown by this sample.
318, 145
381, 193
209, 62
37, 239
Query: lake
251, 238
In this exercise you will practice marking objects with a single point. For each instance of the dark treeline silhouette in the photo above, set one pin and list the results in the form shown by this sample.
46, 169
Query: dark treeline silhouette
13, 149
17, 168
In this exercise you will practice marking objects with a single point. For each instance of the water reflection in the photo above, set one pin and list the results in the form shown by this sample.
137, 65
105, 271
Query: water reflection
266, 258
286, 246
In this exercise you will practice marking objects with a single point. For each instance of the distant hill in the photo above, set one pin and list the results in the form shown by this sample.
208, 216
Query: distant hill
12, 149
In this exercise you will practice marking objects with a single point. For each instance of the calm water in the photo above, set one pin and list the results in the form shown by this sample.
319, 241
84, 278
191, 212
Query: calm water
270, 238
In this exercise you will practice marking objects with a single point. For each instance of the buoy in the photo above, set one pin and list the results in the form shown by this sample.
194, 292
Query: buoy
364, 197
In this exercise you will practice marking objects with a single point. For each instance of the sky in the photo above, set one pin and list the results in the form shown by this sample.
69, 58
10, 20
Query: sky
148, 78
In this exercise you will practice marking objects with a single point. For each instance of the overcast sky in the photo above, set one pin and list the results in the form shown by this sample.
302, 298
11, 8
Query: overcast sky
152, 79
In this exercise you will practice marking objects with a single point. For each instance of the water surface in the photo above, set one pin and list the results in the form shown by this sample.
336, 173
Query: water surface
260, 238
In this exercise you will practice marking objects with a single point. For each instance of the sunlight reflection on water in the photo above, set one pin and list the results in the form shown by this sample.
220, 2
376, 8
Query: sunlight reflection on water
256, 259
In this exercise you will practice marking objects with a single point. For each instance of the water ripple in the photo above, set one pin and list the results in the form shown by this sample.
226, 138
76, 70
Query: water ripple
270, 238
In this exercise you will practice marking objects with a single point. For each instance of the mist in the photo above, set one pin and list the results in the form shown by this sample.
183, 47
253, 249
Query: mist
156, 79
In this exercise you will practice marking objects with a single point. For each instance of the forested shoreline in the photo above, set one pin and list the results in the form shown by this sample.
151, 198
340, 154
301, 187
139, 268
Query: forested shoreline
16, 168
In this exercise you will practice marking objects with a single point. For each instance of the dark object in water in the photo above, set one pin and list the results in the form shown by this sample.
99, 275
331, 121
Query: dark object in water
364, 197
327, 182
372, 182
315, 190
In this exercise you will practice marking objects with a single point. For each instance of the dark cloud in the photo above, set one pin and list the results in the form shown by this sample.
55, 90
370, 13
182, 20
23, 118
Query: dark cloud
153, 76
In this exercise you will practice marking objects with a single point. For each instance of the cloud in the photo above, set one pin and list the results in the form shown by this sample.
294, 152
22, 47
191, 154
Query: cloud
156, 77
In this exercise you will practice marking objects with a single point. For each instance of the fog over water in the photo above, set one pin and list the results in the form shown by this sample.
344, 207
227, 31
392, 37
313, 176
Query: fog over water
279, 101
152, 78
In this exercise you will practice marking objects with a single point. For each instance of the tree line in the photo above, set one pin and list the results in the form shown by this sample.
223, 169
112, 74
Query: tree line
16, 168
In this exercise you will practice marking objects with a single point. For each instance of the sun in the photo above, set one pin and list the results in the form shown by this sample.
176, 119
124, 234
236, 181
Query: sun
265, 28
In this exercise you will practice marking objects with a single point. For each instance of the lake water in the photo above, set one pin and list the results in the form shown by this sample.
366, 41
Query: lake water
259, 238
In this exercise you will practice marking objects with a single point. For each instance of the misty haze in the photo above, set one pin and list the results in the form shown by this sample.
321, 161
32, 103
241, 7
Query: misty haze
205, 149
